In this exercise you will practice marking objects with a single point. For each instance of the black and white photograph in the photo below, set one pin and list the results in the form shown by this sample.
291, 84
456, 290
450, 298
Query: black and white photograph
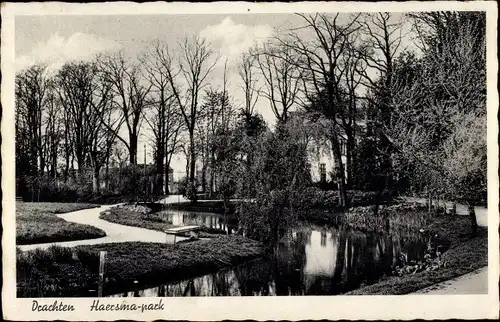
251, 154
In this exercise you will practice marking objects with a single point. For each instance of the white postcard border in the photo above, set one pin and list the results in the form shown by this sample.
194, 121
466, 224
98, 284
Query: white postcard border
259, 308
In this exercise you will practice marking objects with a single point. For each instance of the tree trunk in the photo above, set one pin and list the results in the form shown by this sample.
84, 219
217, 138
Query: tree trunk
340, 171
66, 168
188, 162
473, 219
192, 157
96, 181
54, 164
106, 182
212, 174
133, 148
349, 160
204, 178
160, 169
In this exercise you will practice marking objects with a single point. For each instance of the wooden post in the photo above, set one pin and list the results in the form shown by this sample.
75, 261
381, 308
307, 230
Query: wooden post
102, 261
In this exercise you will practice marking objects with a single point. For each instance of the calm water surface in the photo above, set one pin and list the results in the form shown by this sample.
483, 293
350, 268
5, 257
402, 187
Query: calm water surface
206, 219
311, 260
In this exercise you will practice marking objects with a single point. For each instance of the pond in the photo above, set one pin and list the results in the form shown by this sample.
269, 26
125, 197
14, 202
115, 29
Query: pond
311, 260
204, 219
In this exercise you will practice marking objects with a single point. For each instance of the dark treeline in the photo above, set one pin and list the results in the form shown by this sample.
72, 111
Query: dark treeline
404, 104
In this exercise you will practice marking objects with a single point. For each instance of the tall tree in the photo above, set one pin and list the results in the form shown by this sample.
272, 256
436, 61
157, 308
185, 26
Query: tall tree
323, 73
130, 93
53, 131
31, 93
445, 92
86, 97
193, 67
164, 118
249, 78
278, 67
382, 36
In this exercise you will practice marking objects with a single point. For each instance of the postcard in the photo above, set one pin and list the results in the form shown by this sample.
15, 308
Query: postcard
264, 161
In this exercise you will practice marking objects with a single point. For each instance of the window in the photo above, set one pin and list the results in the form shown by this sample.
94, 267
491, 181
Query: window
322, 172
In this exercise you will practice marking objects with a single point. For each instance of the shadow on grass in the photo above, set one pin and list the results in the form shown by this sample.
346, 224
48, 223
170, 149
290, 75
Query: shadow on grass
70, 272
36, 222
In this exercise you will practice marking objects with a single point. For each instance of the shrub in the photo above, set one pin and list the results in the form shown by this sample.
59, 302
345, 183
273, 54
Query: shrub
267, 218
191, 191
315, 198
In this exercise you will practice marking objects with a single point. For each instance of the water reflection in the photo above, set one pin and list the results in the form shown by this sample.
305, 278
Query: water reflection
309, 261
204, 219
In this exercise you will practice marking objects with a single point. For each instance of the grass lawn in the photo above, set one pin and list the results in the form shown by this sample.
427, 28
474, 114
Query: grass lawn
36, 222
154, 221
62, 271
465, 254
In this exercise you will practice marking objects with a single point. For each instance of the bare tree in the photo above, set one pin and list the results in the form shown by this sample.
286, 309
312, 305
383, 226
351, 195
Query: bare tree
75, 90
247, 73
31, 93
86, 98
278, 67
130, 95
53, 131
323, 73
382, 36
192, 69
164, 118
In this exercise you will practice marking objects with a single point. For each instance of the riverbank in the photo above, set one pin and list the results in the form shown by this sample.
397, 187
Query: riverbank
67, 272
464, 254
140, 216
38, 222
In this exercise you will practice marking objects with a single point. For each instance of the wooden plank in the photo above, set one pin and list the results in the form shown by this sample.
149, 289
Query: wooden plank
181, 229
184, 229
102, 261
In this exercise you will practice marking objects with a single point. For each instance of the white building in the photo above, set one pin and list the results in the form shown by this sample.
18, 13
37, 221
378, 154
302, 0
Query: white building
322, 161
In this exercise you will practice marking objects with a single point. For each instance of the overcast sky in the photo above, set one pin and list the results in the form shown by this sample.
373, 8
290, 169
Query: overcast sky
55, 40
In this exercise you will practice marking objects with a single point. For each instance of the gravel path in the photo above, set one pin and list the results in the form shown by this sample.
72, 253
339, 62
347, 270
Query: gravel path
115, 233
472, 283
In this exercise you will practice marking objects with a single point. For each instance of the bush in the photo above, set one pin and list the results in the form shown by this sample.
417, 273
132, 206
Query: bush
191, 191
269, 217
51, 190
315, 198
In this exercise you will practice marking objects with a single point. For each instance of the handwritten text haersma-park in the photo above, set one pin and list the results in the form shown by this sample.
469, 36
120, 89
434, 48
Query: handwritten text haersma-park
59, 306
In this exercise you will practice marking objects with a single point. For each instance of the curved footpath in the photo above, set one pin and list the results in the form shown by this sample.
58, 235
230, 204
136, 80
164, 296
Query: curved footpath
473, 283
115, 233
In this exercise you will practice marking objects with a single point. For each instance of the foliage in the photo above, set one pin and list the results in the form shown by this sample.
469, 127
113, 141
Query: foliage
463, 255
279, 170
433, 260
191, 192
443, 94
316, 199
